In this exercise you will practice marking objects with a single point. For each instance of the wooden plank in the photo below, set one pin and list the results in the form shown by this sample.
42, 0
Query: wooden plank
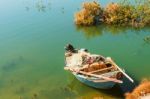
99, 81
94, 75
100, 70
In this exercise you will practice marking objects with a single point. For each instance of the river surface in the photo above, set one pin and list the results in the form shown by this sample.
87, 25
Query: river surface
33, 34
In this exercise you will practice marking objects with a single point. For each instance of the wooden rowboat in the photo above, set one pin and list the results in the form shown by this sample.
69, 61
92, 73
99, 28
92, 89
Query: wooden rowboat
93, 70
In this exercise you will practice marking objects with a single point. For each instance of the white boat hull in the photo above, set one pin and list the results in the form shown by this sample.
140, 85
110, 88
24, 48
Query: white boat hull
90, 82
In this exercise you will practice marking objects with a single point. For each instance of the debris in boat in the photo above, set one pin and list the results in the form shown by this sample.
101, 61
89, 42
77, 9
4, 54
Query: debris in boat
81, 58
140, 92
93, 70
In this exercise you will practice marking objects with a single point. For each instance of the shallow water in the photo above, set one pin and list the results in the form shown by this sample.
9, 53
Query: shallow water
33, 36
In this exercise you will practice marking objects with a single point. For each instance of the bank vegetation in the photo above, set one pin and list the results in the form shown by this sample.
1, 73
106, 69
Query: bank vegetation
123, 13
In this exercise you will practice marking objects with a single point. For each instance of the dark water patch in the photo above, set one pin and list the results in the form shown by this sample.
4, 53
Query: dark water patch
62, 10
10, 65
113, 92
147, 39
127, 85
22, 90
58, 93
35, 96
27, 8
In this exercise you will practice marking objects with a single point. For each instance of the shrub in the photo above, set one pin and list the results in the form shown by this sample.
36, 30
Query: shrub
118, 14
88, 14
123, 13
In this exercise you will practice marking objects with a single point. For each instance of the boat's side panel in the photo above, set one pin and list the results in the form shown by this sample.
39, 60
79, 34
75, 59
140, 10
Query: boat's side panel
100, 85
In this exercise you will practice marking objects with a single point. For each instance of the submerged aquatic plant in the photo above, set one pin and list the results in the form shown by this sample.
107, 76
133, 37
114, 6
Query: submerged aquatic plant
124, 13
147, 39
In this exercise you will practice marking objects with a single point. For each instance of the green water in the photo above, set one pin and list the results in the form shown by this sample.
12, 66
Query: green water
33, 34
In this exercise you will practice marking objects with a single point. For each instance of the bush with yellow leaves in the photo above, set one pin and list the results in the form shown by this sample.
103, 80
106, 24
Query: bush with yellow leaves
88, 14
142, 90
118, 14
124, 14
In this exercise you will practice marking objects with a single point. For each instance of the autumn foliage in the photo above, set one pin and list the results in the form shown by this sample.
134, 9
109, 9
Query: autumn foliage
123, 14
86, 16
142, 90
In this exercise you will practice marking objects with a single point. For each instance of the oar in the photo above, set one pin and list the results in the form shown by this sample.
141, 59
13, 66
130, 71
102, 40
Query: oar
113, 63
100, 70
98, 76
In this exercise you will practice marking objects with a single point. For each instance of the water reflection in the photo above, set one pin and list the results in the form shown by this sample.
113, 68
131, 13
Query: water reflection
94, 31
91, 31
